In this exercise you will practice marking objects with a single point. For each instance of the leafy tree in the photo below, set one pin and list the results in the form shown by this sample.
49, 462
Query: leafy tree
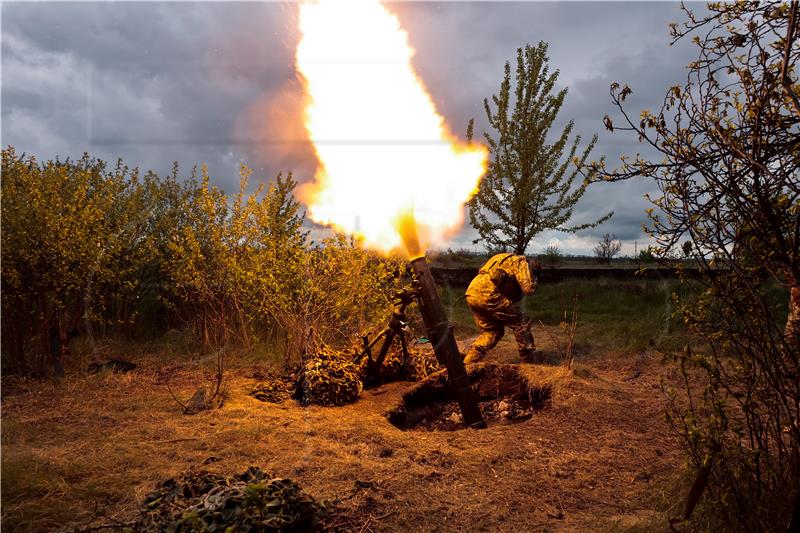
607, 248
104, 249
74, 243
528, 187
728, 144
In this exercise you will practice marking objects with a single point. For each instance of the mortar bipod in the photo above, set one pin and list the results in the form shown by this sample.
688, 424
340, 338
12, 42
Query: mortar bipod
395, 328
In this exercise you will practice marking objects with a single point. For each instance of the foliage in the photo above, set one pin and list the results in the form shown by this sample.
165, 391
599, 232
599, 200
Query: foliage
686, 249
227, 258
107, 250
75, 244
607, 248
461, 258
729, 157
528, 186
344, 290
646, 256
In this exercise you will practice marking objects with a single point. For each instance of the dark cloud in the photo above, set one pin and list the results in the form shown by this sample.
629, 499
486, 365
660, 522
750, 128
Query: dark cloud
461, 49
215, 83
147, 82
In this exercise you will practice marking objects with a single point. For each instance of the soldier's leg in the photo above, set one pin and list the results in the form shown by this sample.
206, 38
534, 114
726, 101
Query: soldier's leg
527, 345
491, 333
520, 324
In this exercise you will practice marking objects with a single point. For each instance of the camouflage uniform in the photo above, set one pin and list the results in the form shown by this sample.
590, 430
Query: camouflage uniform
493, 311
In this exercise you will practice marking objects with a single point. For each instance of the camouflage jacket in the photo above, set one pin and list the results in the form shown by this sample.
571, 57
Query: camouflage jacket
484, 289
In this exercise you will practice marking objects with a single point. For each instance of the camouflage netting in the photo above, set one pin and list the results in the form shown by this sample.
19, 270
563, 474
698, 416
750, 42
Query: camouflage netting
252, 501
420, 364
330, 377
273, 390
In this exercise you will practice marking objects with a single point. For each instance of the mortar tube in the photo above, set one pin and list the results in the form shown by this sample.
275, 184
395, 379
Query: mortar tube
440, 332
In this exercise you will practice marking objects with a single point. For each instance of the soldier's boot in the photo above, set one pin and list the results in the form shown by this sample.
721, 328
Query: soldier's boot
525, 342
472, 356
531, 356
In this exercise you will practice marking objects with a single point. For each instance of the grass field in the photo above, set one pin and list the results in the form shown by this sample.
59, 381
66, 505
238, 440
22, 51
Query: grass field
614, 316
85, 450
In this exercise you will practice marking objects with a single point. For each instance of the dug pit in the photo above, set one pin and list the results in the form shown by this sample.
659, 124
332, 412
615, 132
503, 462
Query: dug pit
505, 394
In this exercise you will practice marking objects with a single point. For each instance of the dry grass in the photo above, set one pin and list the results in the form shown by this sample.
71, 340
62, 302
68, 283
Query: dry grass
88, 449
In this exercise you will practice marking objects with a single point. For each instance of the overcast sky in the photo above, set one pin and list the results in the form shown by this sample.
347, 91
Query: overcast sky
215, 83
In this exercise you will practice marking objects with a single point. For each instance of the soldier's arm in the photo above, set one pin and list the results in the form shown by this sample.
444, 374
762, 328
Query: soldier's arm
522, 272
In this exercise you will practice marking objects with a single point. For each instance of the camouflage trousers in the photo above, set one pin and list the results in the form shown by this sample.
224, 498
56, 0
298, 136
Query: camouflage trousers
491, 318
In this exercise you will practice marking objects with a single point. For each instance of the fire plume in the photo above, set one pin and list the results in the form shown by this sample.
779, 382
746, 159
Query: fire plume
385, 154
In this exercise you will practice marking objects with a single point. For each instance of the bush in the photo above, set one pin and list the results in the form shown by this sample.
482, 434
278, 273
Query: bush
646, 256
109, 251
76, 241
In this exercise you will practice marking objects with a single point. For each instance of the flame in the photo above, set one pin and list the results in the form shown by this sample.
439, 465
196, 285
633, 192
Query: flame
385, 154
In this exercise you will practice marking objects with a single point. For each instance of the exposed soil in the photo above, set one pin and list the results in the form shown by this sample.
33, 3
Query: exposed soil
88, 449
504, 393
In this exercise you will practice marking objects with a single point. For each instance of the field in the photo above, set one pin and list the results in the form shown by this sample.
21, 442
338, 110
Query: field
615, 317
86, 450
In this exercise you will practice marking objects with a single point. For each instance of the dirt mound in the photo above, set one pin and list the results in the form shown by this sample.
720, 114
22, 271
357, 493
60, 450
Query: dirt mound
504, 393
251, 501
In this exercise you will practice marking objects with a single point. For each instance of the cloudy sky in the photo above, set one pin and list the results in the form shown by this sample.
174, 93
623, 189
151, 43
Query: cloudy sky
215, 83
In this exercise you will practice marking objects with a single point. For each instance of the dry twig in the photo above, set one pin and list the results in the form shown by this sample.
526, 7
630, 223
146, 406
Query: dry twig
567, 351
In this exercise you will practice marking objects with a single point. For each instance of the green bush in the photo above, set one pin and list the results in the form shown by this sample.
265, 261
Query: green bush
75, 243
111, 252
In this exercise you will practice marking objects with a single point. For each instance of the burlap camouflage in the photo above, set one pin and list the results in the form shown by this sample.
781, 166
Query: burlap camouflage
493, 311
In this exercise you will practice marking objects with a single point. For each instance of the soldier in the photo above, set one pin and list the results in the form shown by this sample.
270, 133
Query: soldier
493, 298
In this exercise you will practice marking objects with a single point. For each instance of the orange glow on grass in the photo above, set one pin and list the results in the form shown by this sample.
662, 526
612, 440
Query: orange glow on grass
385, 154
